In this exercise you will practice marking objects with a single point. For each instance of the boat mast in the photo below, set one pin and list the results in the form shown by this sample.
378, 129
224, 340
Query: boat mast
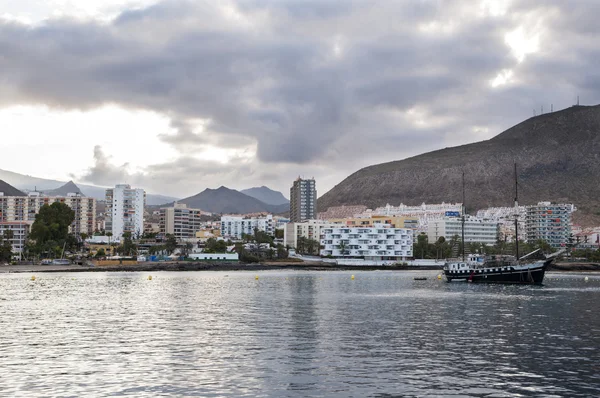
463, 216
516, 213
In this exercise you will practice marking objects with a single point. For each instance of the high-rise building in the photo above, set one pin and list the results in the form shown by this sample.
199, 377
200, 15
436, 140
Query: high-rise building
24, 208
549, 222
180, 221
303, 200
125, 210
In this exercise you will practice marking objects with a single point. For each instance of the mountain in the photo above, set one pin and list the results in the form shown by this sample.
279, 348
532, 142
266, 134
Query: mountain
225, 200
29, 183
557, 155
69, 187
9, 190
266, 195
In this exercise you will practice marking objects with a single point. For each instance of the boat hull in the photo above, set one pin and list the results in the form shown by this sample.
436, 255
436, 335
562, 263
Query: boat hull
528, 274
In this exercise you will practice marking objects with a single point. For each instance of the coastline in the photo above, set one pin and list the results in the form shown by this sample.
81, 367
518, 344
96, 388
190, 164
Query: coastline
267, 266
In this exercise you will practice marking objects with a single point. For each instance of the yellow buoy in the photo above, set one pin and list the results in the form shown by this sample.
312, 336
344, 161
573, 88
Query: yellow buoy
149, 277
439, 276
352, 277
586, 278
256, 277
32, 277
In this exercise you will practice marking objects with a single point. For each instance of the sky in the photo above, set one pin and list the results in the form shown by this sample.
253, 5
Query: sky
178, 96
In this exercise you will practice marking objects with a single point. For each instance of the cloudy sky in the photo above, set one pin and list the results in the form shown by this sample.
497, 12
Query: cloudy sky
178, 96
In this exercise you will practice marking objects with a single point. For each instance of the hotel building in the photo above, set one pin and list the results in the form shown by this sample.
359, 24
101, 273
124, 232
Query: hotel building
376, 243
476, 230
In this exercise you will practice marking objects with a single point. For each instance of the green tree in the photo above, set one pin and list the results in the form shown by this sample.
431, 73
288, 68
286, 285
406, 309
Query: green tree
279, 234
100, 253
6, 246
171, 243
52, 223
127, 248
341, 247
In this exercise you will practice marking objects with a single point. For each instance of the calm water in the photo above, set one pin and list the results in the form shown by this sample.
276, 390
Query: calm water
296, 334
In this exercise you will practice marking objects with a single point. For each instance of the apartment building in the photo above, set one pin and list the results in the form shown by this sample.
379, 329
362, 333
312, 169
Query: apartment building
125, 210
19, 231
180, 221
232, 227
24, 208
549, 222
310, 229
476, 230
375, 243
303, 200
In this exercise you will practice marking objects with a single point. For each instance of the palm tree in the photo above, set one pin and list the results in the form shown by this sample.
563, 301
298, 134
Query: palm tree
342, 247
109, 234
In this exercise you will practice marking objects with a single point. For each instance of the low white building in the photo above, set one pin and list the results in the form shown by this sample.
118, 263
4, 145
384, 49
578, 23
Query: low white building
476, 230
234, 226
368, 243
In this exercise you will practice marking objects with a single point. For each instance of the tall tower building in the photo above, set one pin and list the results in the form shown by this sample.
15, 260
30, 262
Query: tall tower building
125, 210
303, 200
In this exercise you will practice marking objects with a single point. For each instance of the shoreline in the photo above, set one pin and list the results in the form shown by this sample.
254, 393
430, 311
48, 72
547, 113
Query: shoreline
230, 266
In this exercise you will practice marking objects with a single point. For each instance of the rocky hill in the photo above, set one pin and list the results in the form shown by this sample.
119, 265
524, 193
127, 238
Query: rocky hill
266, 195
63, 190
225, 200
557, 154
9, 190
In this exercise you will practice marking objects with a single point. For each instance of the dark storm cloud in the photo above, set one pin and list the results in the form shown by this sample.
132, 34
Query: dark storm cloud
309, 84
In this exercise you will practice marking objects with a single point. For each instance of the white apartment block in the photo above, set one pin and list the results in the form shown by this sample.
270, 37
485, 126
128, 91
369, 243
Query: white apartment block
368, 243
310, 229
24, 208
20, 231
476, 230
125, 210
549, 222
180, 221
234, 226
425, 213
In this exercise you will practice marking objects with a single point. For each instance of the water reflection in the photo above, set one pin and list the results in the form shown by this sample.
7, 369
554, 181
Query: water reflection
295, 334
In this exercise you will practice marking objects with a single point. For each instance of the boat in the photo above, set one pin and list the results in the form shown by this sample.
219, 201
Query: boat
498, 268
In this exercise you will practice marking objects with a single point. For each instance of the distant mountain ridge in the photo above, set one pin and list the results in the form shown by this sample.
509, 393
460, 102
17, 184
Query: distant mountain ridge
29, 183
9, 190
69, 187
557, 155
224, 200
266, 195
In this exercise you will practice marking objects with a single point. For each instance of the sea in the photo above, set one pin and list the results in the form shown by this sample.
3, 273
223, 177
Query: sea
296, 334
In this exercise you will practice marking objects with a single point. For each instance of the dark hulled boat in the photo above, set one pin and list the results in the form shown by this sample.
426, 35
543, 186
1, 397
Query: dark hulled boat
494, 271
499, 269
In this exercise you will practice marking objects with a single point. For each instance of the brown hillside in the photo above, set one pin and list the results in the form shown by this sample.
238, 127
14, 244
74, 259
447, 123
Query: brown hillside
558, 157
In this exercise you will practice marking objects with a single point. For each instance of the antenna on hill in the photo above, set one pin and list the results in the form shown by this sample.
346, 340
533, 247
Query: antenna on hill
551, 108
542, 110
577, 100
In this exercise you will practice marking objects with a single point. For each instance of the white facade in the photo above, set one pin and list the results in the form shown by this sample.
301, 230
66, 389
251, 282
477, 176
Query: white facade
476, 230
369, 243
125, 210
20, 231
549, 222
425, 213
234, 226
